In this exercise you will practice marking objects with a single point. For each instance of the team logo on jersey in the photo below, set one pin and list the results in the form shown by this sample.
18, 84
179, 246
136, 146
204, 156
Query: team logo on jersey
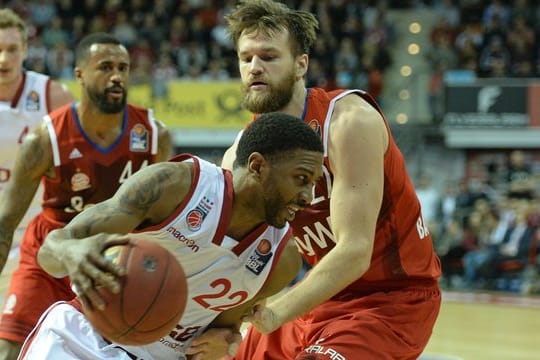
260, 257
80, 181
195, 217
314, 125
75, 154
32, 101
138, 138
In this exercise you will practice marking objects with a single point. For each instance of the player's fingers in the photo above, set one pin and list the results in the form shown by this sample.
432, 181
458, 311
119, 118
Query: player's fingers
96, 276
114, 241
95, 299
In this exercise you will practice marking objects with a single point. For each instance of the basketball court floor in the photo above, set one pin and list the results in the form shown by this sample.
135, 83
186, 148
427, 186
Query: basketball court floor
471, 326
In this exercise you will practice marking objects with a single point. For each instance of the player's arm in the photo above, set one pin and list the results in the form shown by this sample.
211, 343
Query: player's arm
357, 143
33, 160
58, 95
223, 335
148, 197
165, 148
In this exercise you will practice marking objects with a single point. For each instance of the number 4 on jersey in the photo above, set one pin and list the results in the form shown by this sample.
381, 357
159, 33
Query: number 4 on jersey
128, 170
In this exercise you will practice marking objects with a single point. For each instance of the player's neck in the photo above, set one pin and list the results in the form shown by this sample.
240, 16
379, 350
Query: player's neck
8, 91
91, 118
246, 213
295, 107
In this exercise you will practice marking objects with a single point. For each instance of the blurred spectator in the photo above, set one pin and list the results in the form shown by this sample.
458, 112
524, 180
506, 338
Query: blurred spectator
54, 33
497, 9
520, 180
428, 195
42, 12
60, 60
191, 55
216, 71
162, 73
449, 11
124, 30
494, 59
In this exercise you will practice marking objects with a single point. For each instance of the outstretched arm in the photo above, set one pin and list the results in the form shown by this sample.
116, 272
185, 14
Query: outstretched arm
33, 160
148, 196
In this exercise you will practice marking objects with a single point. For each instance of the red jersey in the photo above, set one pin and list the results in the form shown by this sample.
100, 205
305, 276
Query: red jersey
86, 173
403, 253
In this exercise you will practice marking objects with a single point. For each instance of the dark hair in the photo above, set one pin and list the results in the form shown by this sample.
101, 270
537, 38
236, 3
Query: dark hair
274, 134
270, 17
81, 53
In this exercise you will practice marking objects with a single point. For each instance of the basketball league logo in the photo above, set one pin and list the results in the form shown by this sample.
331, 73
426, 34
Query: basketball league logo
260, 257
80, 181
138, 139
195, 217
32, 101
314, 125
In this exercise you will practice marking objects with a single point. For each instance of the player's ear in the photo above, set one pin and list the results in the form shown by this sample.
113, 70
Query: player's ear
256, 163
77, 73
301, 65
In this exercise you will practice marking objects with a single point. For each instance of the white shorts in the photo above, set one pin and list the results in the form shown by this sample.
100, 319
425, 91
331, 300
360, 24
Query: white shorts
64, 333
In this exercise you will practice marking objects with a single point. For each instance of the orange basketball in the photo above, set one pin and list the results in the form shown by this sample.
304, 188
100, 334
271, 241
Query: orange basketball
152, 298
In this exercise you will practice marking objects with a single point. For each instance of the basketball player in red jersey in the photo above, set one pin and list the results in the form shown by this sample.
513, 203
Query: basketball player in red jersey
82, 153
372, 292
25, 97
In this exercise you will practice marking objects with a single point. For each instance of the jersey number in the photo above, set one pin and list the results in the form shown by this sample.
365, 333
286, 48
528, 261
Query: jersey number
128, 170
223, 287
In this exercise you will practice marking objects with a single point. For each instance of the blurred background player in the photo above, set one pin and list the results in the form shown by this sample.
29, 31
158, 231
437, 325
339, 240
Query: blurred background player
82, 153
243, 249
25, 97
372, 292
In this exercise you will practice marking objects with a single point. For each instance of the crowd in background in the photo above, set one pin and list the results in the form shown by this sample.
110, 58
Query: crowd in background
486, 229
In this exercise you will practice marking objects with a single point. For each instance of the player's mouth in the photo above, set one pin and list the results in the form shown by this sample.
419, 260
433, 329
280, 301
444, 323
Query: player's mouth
116, 92
4, 71
291, 211
258, 85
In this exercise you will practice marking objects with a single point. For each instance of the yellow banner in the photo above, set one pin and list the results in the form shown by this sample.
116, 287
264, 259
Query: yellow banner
189, 104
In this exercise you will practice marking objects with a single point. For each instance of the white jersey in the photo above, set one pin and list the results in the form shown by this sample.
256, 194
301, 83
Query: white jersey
222, 273
17, 118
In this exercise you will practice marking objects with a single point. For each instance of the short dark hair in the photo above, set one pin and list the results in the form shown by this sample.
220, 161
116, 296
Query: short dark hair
81, 53
274, 134
269, 17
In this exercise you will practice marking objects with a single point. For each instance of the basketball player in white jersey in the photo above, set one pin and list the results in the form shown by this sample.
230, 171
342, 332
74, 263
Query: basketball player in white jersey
25, 97
240, 242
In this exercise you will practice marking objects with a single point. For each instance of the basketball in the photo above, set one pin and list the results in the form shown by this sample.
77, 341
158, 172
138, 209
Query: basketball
152, 298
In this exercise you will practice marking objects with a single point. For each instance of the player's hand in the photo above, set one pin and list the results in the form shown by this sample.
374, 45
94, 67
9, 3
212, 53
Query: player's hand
88, 268
263, 318
214, 344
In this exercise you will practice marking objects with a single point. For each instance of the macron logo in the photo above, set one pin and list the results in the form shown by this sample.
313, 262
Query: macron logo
75, 154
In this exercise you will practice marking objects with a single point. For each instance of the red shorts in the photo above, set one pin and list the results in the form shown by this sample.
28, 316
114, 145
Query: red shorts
385, 325
31, 290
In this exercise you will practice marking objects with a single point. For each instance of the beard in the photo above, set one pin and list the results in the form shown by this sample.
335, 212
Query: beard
274, 99
101, 100
273, 205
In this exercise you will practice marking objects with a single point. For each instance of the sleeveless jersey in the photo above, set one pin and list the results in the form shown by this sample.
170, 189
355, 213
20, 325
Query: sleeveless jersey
403, 253
17, 118
222, 273
86, 173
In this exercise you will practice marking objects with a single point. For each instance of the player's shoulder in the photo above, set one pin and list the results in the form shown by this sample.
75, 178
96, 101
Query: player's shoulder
59, 113
138, 108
